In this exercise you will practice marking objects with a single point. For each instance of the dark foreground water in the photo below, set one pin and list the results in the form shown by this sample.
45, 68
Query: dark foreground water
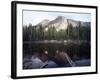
78, 51
31, 62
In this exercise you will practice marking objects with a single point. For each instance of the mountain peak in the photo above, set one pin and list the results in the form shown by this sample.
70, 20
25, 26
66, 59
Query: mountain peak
60, 23
60, 18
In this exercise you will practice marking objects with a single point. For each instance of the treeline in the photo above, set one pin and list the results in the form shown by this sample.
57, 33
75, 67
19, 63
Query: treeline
32, 33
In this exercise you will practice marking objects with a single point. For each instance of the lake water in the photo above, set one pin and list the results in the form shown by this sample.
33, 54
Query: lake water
78, 51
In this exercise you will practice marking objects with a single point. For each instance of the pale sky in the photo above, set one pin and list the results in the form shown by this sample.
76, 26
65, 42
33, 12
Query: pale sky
34, 17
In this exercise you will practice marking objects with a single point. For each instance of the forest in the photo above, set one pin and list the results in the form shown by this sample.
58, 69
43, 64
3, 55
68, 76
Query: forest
31, 33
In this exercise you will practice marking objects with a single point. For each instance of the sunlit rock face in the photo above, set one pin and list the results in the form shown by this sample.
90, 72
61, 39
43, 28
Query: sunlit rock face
59, 23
